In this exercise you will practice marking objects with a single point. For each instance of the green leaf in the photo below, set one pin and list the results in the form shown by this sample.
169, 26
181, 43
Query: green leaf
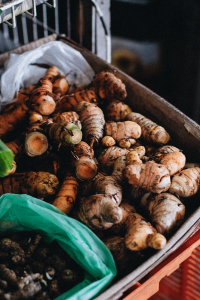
6, 159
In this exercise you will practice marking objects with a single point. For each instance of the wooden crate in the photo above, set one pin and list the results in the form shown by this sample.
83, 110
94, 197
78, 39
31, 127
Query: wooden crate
185, 134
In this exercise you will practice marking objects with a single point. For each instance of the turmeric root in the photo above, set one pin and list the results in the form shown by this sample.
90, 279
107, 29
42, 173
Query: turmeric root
12, 116
35, 144
151, 132
84, 162
108, 86
139, 234
16, 252
42, 185
35, 117
68, 102
63, 133
92, 120
108, 157
150, 176
16, 147
186, 182
123, 130
108, 141
40, 98
69, 116
99, 211
110, 185
66, 196
117, 111
165, 211
60, 84
171, 157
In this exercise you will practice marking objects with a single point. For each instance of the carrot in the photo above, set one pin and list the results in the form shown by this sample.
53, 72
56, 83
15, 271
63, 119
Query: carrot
66, 196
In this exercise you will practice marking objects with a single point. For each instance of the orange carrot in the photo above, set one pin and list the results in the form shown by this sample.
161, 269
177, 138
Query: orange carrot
66, 196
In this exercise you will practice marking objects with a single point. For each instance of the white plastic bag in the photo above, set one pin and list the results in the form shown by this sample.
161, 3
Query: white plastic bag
19, 71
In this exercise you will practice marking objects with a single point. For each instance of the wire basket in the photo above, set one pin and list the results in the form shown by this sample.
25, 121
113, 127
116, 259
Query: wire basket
84, 21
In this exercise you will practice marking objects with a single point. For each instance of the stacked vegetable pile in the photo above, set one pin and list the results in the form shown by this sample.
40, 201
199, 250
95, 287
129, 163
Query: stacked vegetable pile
31, 268
86, 152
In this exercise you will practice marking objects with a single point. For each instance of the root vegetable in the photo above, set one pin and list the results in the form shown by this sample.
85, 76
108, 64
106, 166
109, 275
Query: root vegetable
151, 132
150, 176
68, 102
40, 99
132, 157
35, 144
42, 185
111, 185
99, 211
171, 157
66, 196
117, 111
127, 142
84, 162
35, 117
60, 84
138, 233
92, 120
108, 141
123, 130
16, 252
63, 133
68, 116
16, 147
165, 210
12, 116
125, 260
8, 275
33, 245
108, 157
109, 87
186, 182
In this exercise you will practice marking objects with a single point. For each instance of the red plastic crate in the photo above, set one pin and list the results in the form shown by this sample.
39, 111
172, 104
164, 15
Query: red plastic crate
184, 283
176, 278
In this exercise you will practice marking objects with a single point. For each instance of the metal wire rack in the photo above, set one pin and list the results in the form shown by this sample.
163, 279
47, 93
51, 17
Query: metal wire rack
84, 21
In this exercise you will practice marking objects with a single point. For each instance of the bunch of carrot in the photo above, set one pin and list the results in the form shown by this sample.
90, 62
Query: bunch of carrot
85, 151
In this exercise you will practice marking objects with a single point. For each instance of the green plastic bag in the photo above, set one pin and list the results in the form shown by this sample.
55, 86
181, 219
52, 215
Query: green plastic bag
23, 212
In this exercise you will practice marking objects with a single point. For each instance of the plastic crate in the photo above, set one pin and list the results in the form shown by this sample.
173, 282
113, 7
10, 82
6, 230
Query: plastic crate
176, 278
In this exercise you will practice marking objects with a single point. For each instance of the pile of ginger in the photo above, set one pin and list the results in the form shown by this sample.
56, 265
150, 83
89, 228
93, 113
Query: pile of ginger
86, 152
